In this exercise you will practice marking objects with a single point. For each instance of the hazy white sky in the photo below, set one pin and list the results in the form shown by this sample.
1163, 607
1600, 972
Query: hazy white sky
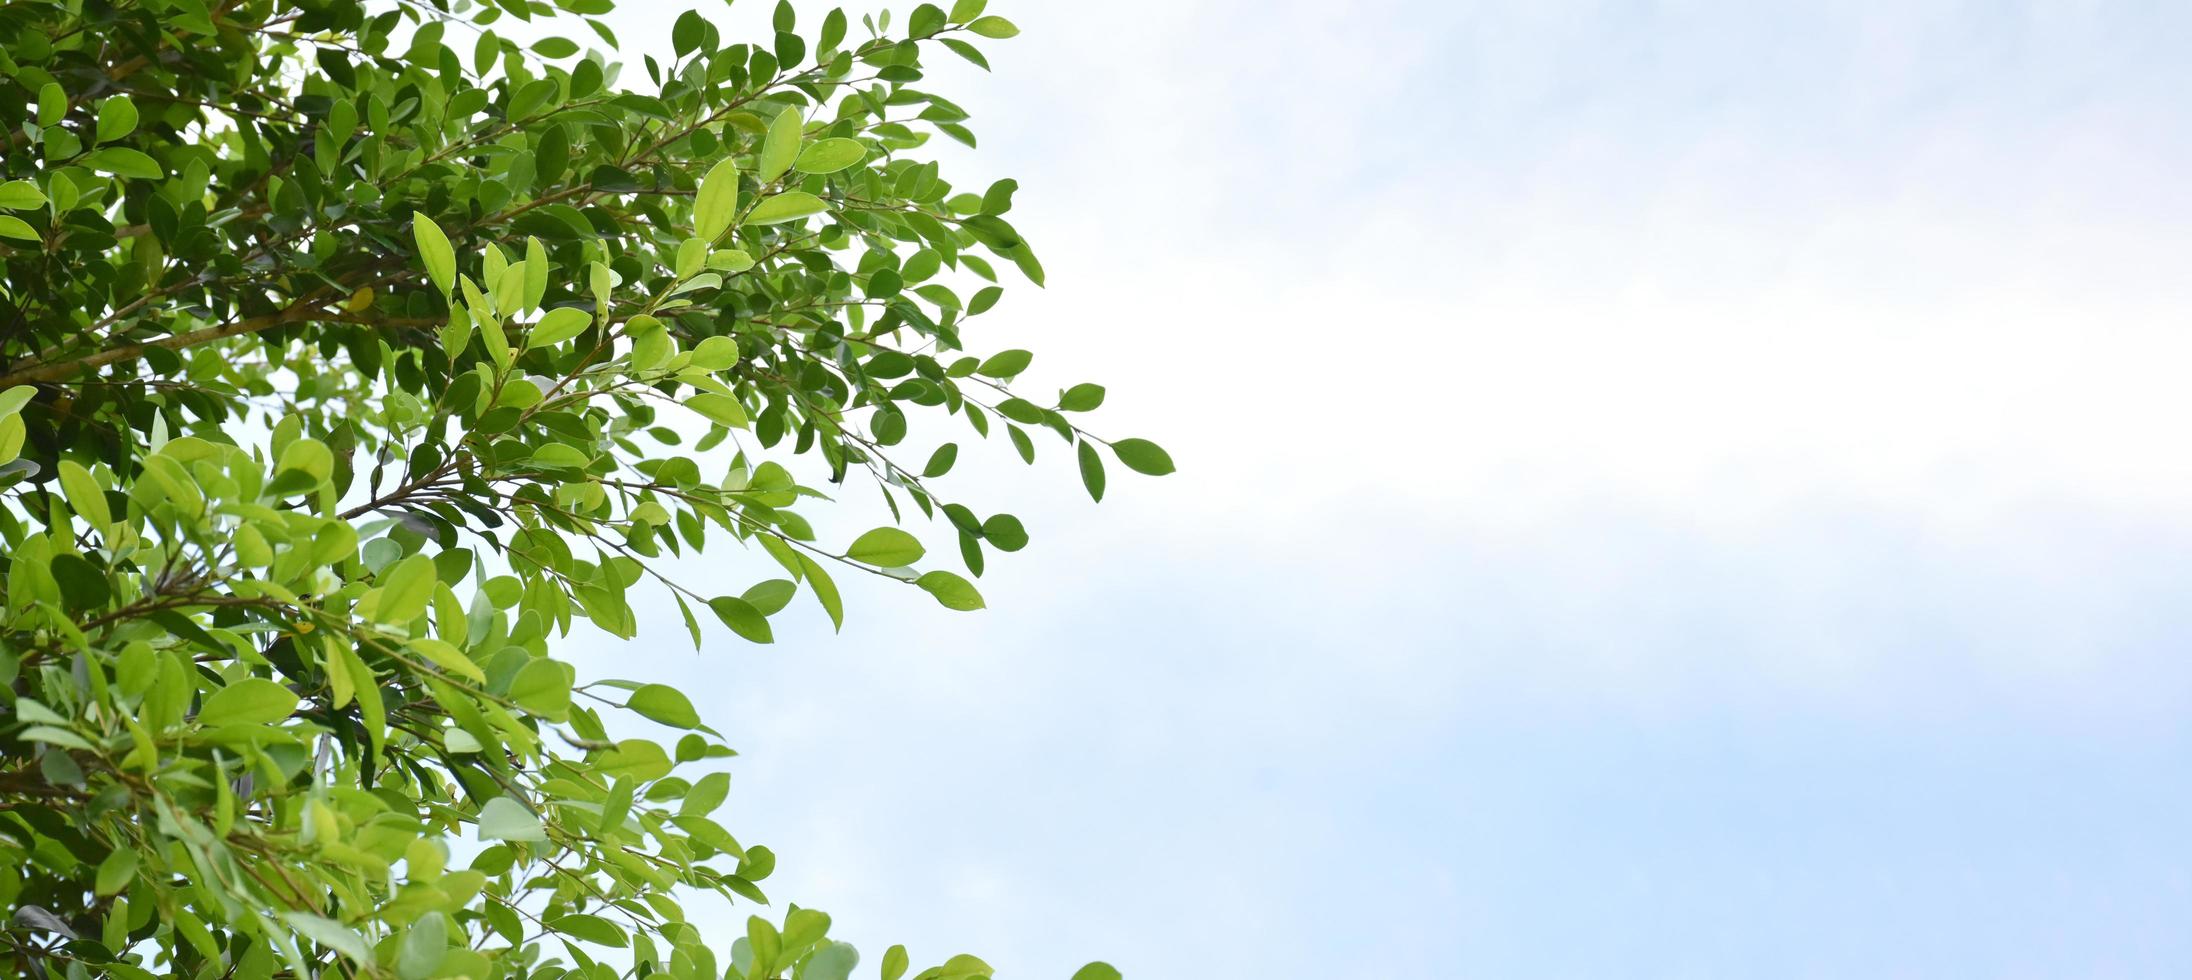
1667, 489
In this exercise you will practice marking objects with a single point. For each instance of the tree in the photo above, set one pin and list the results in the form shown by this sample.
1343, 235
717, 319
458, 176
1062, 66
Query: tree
347, 368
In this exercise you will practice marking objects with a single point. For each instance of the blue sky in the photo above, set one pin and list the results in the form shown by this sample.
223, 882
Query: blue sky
1677, 489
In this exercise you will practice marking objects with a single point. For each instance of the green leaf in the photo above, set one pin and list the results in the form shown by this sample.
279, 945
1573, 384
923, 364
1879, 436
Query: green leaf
83, 493
716, 203
424, 943
886, 547
1142, 456
788, 206
558, 325
117, 118
555, 47
720, 409
591, 928
825, 590
940, 462
636, 758
542, 687
446, 656
21, 195
14, 227
772, 596
1098, 970
665, 704
894, 963
742, 618
966, 965
251, 701
434, 250
993, 27
122, 161
1092, 470
767, 946
951, 590
561, 455
830, 156
834, 961
504, 818
780, 147
83, 584
52, 104
329, 933
405, 588
116, 871
1082, 398
1006, 364
1005, 531
804, 928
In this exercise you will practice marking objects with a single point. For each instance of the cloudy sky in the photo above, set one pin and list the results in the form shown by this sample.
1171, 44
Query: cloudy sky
1681, 489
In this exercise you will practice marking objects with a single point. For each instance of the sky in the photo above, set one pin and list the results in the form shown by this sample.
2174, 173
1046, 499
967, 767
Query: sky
1681, 489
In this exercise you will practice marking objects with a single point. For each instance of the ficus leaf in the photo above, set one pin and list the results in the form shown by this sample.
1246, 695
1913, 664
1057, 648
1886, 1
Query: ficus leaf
781, 146
886, 547
716, 203
830, 155
434, 251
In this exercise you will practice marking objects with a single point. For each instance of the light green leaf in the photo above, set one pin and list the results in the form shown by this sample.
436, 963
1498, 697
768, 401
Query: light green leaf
824, 589
716, 203
506, 819
82, 491
788, 206
21, 195
52, 104
536, 273
446, 656
434, 250
742, 618
832, 962
561, 455
117, 118
951, 590
780, 147
329, 933
543, 687
558, 325
122, 161
993, 27
830, 156
637, 758
1006, 364
251, 701
665, 704
592, 929
14, 227
886, 547
1098, 970
720, 409
406, 587
116, 871
1143, 456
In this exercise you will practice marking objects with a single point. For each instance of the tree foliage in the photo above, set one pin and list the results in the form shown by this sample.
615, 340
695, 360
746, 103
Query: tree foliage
354, 354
